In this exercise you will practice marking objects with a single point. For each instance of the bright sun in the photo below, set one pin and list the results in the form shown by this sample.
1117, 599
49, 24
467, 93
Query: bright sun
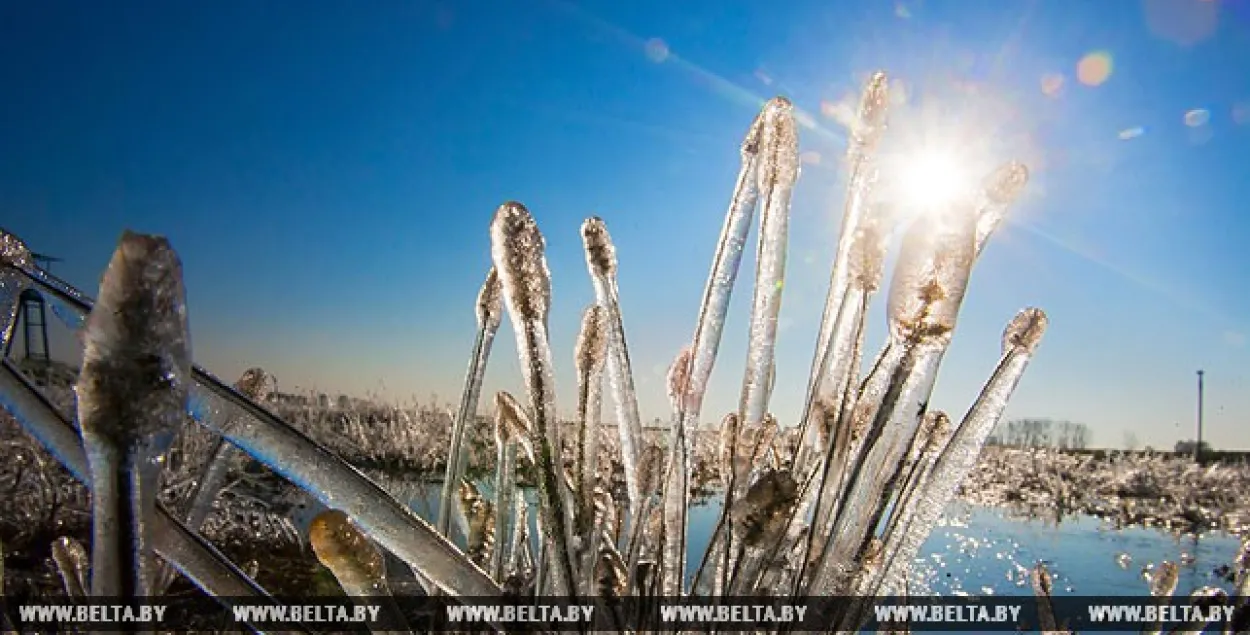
934, 178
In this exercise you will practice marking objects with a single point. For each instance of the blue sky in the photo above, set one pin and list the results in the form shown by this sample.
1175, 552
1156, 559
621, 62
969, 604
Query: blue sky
327, 172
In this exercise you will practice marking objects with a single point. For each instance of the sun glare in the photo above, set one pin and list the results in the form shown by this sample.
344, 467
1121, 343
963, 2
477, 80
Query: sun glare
934, 178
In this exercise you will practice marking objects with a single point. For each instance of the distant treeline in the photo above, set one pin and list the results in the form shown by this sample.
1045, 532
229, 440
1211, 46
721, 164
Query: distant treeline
1040, 433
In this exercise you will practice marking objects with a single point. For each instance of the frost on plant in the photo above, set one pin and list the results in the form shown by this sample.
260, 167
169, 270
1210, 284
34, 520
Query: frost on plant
836, 502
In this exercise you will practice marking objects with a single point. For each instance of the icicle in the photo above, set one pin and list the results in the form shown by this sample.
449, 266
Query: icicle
766, 161
489, 314
132, 395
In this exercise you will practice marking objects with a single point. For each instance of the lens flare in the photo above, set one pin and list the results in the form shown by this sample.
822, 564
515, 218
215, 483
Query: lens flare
1095, 68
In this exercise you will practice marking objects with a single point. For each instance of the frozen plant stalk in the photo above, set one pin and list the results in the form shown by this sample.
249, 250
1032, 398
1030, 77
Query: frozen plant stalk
257, 385
589, 357
517, 248
506, 411
132, 398
601, 261
489, 314
706, 341
1020, 340
862, 144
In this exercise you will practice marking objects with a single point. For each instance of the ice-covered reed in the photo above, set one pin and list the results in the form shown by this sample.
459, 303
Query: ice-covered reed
839, 505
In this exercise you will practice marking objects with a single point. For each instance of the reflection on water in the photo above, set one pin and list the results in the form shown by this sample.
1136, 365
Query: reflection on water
978, 550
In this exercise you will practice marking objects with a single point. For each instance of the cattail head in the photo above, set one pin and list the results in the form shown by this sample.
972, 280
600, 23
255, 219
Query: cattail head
517, 248
751, 142
256, 384
932, 275
873, 105
13, 251
779, 146
1025, 330
490, 301
600, 252
511, 417
1004, 185
592, 341
345, 551
137, 355
679, 379
866, 257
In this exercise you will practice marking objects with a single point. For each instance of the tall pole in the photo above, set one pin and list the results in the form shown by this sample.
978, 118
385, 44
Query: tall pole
1198, 444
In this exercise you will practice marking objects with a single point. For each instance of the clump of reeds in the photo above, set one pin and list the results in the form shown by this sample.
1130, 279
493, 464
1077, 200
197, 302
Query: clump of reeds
837, 504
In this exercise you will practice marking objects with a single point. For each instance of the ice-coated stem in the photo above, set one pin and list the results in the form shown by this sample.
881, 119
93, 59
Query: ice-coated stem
589, 357
925, 295
355, 562
864, 138
706, 341
72, 564
505, 490
776, 174
132, 395
489, 314
338, 485
517, 248
601, 261
1020, 340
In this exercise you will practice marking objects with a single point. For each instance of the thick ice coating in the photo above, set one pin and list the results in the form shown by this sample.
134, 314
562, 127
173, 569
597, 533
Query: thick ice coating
137, 357
517, 248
